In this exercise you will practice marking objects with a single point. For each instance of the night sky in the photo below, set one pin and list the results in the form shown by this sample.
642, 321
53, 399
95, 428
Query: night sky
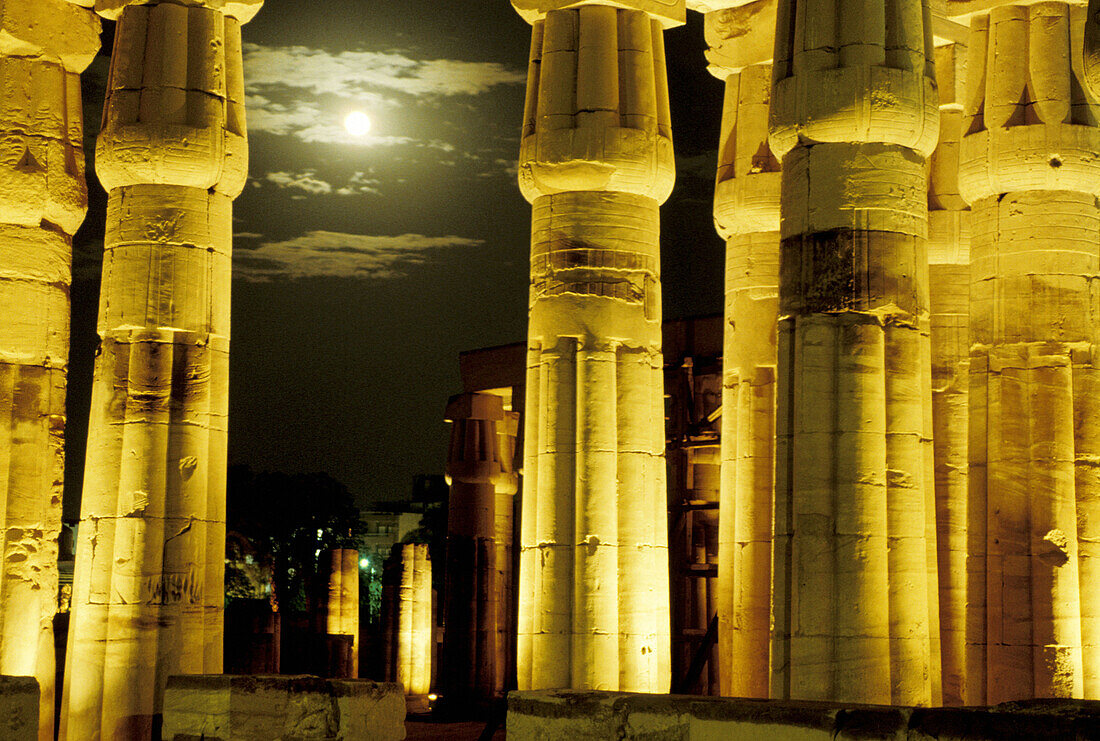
362, 267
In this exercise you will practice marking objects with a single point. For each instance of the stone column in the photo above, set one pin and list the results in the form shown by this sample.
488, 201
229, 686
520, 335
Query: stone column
342, 615
1029, 170
471, 663
949, 306
746, 214
44, 46
507, 486
415, 628
148, 581
854, 117
595, 163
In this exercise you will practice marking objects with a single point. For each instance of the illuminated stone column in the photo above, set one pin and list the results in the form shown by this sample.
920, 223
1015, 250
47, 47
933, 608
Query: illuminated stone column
1029, 170
507, 486
148, 581
949, 306
854, 117
414, 620
342, 615
471, 663
595, 163
44, 46
746, 214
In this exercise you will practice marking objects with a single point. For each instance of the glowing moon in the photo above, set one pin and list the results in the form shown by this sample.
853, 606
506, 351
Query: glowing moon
357, 123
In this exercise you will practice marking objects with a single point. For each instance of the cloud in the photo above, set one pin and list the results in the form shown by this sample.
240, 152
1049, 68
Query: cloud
362, 74
306, 181
360, 184
304, 92
322, 254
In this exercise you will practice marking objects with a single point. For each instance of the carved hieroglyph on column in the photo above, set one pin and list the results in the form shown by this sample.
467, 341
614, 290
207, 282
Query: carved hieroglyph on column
44, 46
596, 162
854, 116
415, 627
746, 214
342, 613
471, 664
948, 289
148, 582
1029, 169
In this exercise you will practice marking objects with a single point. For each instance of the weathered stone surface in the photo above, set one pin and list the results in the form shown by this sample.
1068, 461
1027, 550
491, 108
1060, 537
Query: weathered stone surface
581, 716
595, 163
272, 708
19, 709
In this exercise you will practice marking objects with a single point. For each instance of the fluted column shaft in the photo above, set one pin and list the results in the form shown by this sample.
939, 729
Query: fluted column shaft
595, 163
854, 117
746, 214
507, 486
342, 613
415, 630
949, 306
44, 46
471, 662
148, 585
1028, 169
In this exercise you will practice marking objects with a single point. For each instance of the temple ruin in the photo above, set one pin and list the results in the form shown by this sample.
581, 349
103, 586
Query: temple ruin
872, 480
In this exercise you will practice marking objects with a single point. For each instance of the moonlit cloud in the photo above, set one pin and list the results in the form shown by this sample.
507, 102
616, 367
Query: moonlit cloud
360, 75
308, 181
310, 102
322, 254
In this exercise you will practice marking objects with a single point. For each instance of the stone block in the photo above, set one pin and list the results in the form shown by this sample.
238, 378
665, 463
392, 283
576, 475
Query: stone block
581, 715
220, 707
18, 709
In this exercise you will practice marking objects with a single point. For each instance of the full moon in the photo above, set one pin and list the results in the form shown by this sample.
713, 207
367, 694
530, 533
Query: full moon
357, 123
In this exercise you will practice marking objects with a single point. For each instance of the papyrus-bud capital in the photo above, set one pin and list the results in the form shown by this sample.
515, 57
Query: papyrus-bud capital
49, 29
242, 10
670, 13
739, 36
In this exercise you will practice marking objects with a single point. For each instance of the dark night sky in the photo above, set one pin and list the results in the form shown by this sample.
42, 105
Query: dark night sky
363, 267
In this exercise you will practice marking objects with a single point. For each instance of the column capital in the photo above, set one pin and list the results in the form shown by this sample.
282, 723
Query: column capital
968, 8
242, 10
52, 30
670, 13
739, 36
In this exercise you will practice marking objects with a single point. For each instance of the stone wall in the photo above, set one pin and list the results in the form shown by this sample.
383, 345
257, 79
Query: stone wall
221, 707
577, 716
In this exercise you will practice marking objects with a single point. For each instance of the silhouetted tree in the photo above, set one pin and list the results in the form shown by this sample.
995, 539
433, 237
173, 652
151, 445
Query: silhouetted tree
288, 521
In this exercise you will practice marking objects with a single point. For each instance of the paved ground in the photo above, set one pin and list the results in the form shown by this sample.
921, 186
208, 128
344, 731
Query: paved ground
423, 728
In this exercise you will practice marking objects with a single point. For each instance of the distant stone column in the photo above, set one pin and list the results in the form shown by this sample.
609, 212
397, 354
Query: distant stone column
595, 163
44, 46
854, 117
342, 615
415, 628
148, 581
471, 663
746, 214
507, 486
949, 307
1029, 169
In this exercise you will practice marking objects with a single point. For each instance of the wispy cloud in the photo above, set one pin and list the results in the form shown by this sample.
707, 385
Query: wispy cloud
362, 74
310, 100
323, 254
306, 181
310, 182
